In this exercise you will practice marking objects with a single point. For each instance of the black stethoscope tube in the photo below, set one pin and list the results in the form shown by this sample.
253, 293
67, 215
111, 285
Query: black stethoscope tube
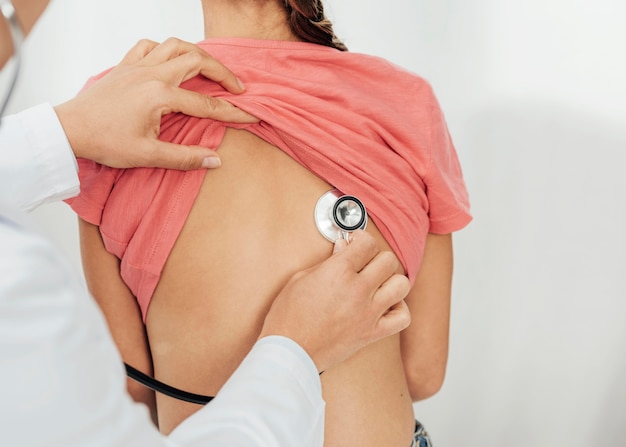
164, 388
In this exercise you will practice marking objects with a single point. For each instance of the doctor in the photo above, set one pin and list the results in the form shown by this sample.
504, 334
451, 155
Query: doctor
62, 382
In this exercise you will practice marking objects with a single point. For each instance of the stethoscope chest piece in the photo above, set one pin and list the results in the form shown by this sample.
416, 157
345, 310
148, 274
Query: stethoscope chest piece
337, 215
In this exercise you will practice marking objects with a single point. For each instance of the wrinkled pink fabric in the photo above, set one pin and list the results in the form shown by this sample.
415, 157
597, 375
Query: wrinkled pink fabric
366, 126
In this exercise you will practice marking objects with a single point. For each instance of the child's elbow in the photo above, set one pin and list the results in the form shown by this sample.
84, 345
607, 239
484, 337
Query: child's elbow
424, 383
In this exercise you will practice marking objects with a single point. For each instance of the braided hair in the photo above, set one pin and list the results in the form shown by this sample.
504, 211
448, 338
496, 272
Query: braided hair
308, 22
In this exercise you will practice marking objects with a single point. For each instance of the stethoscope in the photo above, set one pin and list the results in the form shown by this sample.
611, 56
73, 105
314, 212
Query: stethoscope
8, 11
336, 216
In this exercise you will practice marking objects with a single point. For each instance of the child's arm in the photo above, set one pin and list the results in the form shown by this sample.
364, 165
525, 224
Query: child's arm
425, 341
102, 272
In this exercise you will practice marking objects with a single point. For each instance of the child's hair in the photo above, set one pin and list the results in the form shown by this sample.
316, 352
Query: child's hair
308, 22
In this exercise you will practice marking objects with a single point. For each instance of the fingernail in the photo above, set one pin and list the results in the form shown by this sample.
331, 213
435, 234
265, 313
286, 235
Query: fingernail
211, 162
339, 245
243, 87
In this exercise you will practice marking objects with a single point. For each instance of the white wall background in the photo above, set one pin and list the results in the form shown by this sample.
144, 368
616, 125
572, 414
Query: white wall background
535, 97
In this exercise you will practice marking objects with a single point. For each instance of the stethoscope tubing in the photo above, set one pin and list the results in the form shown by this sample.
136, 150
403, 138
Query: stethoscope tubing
164, 388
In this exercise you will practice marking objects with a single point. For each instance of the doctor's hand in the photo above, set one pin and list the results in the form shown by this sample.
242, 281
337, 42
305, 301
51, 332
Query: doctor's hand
116, 121
352, 299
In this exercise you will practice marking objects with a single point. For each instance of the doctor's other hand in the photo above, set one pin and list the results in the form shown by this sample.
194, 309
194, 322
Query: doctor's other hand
117, 120
334, 309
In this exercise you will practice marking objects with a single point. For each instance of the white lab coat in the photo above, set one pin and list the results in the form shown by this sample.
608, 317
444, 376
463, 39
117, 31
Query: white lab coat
37, 164
62, 382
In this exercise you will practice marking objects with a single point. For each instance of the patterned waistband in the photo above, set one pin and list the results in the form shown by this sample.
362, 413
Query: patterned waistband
421, 438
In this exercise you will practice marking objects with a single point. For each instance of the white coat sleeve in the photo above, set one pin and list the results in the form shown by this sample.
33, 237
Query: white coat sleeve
37, 164
62, 382
273, 399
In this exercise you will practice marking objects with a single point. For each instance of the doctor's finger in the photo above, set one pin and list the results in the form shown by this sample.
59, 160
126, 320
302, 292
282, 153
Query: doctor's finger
204, 106
393, 291
168, 50
160, 154
396, 319
194, 62
139, 51
380, 269
358, 253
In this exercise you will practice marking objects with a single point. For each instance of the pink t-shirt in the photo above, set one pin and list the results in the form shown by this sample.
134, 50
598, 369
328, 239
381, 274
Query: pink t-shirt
366, 126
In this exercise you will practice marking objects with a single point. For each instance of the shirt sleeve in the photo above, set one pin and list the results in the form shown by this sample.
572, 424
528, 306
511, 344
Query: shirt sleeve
96, 184
37, 163
448, 201
62, 383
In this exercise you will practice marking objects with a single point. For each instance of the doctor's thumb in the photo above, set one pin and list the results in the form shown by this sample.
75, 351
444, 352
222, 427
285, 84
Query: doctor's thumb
340, 244
183, 157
